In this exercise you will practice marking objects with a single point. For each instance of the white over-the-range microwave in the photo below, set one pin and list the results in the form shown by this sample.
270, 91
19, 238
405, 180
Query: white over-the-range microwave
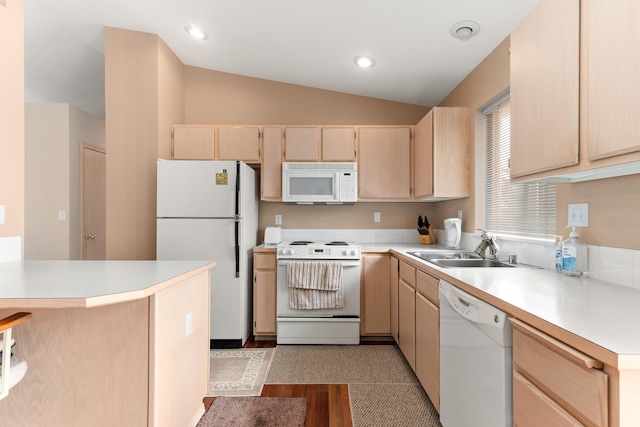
319, 182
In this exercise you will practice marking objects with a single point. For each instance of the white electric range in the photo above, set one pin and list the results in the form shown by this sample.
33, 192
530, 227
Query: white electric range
324, 316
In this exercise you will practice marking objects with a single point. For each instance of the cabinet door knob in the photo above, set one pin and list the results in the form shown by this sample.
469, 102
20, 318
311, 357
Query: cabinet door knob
89, 236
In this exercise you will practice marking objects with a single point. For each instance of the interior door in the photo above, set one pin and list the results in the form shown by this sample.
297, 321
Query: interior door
93, 200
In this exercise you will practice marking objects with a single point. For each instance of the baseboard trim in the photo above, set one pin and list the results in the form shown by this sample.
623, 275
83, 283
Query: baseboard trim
225, 343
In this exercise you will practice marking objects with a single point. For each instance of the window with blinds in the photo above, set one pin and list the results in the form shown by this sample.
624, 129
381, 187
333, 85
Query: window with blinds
527, 210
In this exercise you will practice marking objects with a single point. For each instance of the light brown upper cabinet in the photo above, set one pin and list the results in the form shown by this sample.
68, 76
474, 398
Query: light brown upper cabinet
271, 168
239, 143
545, 52
611, 78
193, 142
441, 160
338, 144
384, 163
301, 144
574, 91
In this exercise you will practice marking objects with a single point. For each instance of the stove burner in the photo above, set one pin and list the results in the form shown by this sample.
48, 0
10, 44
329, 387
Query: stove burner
337, 244
300, 243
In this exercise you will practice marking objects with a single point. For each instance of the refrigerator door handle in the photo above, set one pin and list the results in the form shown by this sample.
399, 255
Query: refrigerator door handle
237, 223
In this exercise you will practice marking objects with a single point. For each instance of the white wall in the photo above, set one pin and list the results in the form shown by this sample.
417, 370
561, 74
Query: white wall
53, 137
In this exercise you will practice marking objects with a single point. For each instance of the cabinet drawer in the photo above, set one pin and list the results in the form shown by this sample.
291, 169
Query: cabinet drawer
564, 374
408, 273
532, 408
428, 286
264, 261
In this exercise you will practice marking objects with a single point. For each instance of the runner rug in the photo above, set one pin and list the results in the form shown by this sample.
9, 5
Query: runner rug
238, 372
383, 390
255, 411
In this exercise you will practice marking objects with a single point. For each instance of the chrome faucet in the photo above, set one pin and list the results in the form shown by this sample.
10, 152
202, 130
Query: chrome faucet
488, 240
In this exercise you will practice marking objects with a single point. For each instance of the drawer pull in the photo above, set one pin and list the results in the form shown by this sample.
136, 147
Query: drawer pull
558, 346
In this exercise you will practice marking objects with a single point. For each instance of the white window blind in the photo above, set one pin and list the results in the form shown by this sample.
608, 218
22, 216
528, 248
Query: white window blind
527, 210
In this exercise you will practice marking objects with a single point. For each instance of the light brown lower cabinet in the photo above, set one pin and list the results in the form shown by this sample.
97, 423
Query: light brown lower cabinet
555, 382
376, 295
394, 274
534, 408
264, 294
407, 322
428, 347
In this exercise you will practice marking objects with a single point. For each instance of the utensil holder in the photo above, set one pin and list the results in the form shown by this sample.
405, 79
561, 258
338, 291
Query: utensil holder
428, 239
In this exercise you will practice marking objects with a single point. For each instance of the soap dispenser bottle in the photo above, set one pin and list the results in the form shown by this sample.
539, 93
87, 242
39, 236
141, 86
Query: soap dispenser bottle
574, 255
558, 253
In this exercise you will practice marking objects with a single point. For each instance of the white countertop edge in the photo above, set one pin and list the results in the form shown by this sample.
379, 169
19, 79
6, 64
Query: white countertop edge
23, 281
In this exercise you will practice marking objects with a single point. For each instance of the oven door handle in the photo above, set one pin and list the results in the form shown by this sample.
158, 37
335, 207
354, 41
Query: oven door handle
344, 263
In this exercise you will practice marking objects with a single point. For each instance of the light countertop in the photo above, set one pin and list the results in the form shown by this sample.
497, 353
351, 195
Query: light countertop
600, 318
595, 312
60, 284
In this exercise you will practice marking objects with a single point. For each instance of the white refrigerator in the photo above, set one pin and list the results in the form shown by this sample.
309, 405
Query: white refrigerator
208, 210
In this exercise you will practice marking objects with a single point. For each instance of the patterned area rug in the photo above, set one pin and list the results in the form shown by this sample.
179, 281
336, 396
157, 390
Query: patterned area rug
238, 372
383, 390
256, 411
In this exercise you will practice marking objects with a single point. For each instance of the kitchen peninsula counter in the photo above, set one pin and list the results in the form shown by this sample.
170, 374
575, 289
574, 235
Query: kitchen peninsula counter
109, 343
64, 284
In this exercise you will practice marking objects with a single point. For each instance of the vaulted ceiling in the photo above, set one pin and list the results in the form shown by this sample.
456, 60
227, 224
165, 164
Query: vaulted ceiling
309, 43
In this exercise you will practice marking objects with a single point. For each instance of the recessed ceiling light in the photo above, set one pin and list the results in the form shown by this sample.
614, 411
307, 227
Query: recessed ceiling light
195, 32
464, 30
364, 61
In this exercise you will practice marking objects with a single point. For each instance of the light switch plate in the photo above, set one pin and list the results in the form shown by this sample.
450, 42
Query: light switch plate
376, 217
579, 215
278, 219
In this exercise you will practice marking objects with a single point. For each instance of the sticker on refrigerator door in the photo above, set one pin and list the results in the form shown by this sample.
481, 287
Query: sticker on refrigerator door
222, 178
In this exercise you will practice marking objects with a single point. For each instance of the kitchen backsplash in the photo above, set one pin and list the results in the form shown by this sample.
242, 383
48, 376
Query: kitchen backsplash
619, 266
10, 249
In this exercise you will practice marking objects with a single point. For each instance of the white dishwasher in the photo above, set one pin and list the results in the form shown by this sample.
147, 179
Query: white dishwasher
475, 361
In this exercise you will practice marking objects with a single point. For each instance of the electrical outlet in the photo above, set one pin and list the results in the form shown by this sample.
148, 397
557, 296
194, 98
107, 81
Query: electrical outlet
579, 215
460, 214
1, 214
188, 325
278, 220
376, 217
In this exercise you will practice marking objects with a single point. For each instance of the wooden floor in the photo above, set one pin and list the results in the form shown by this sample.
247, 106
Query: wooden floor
328, 403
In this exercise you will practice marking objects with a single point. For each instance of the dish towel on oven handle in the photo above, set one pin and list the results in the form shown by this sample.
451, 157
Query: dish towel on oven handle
315, 285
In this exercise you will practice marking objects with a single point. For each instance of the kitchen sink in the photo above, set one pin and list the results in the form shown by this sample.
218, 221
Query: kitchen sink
458, 259
469, 262
427, 256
